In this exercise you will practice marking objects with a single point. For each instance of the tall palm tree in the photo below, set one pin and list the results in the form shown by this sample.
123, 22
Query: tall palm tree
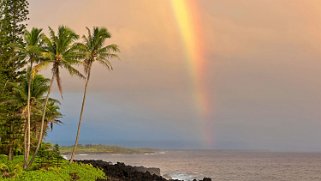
61, 51
31, 51
94, 50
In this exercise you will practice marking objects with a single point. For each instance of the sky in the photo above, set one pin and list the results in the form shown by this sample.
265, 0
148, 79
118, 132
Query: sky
196, 74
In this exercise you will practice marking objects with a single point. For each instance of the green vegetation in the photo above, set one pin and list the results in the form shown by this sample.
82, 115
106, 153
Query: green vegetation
50, 167
74, 171
27, 112
105, 149
13, 15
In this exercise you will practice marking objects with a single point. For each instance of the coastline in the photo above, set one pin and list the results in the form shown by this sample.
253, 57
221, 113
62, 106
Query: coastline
168, 162
105, 149
122, 172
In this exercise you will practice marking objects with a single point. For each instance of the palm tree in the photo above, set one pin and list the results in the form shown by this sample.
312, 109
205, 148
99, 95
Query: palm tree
38, 89
31, 51
62, 52
23, 92
52, 117
94, 50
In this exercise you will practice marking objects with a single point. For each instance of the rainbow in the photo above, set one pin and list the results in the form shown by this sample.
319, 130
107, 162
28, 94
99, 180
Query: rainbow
187, 17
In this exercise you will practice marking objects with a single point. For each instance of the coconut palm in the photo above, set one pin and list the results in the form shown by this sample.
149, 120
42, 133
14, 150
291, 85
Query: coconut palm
53, 116
38, 89
22, 91
61, 51
31, 51
94, 50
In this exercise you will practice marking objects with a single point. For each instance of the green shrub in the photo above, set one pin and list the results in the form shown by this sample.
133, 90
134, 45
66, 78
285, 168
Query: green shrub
62, 172
10, 169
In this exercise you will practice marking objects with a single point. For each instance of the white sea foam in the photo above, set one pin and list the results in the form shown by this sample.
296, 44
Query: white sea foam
82, 154
149, 153
182, 176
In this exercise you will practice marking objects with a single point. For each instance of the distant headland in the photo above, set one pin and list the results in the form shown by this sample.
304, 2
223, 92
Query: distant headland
99, 148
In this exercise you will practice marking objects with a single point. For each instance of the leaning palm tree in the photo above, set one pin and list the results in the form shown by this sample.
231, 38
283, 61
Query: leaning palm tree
61, 51
31, 51
94, 50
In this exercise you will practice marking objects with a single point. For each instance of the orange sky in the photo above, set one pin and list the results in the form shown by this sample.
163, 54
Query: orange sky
263, 60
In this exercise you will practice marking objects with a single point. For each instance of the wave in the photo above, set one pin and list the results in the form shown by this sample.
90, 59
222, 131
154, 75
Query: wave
182, 176
156, 153
82, 154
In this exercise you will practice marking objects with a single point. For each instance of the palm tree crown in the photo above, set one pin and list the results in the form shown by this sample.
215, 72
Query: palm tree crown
94, 50
32, 47
62, 51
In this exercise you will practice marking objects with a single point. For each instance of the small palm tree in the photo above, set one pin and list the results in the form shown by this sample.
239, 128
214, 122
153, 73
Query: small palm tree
31, 51
40, 86
22, 91
38, 89
53, 116
94, 50
62, 52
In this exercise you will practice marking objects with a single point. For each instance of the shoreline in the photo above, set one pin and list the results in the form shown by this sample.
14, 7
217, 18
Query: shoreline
123, 172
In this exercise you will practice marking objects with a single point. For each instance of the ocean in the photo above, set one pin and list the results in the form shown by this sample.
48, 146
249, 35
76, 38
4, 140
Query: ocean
225, 165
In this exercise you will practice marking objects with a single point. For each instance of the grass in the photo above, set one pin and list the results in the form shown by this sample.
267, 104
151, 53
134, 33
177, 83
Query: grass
44, 171
105, 149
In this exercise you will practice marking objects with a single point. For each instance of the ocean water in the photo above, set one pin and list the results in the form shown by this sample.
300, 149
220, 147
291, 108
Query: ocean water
225, 165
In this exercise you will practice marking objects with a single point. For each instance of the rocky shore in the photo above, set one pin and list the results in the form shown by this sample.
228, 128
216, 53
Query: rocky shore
122, 172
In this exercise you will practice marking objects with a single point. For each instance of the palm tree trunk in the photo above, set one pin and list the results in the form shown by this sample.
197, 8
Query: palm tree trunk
10, 152
25, 159
80, 118
27, 131
42, 123
11, 144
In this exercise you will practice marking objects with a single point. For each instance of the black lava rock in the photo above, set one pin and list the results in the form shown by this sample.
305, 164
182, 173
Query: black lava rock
122, 172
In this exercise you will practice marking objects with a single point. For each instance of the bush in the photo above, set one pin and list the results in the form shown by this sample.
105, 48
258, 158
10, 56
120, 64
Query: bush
9, 169
65, 171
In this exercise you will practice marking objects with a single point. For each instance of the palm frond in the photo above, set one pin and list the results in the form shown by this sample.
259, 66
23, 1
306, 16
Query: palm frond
106, 63
112, 48
73, 71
